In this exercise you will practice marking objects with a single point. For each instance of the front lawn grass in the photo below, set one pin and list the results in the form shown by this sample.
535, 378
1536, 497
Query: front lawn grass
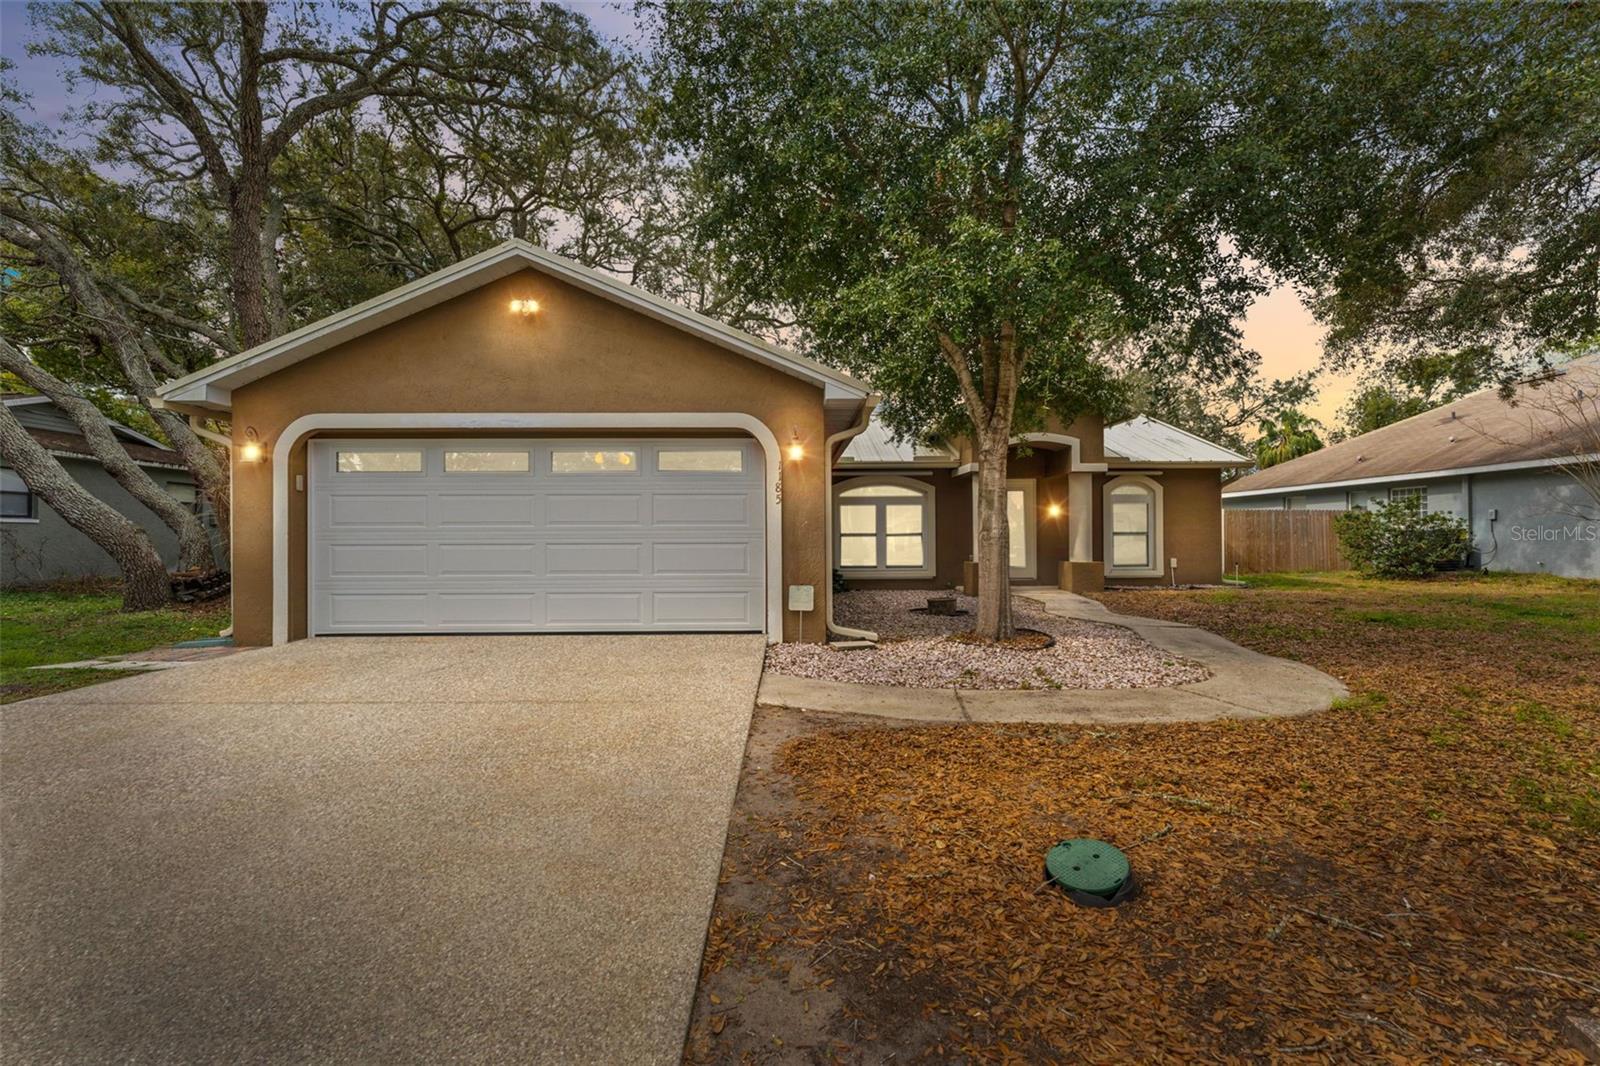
70, 624
1409, 876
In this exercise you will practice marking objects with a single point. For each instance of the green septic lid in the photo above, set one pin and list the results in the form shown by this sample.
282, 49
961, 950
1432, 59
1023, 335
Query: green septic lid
1091, 866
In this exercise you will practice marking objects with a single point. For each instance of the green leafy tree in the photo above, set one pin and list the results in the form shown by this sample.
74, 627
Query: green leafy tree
988, 210
1286, 435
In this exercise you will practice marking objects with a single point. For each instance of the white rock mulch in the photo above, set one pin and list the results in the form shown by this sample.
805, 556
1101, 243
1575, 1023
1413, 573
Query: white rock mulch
913, 652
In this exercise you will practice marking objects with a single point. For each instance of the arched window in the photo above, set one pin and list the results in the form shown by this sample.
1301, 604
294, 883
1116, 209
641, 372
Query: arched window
1133, 527
883, 527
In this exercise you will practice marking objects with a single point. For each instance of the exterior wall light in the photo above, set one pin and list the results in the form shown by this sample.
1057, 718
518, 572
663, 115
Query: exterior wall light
1054, 510
525, 308
796, 450
251, 450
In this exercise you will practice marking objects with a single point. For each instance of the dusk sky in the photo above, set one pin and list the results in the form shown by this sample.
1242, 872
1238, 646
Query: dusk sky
1278, 326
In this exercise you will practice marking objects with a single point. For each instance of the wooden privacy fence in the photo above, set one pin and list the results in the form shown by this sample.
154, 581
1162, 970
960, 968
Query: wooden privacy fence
1261, 542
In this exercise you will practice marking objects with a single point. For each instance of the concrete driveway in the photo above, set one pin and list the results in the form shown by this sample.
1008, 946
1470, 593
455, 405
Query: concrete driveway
484, 849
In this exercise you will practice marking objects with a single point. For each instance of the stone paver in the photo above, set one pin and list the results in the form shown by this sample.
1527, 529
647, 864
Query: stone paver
1243, 684
429, 849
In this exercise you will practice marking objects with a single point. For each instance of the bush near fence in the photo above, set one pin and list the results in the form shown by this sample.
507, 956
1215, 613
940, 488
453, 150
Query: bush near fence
1264, 542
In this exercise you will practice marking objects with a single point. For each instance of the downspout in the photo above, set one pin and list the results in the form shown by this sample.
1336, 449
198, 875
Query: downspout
827, 515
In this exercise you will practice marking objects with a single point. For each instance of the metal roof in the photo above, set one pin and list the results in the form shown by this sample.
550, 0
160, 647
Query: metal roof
877, 444
1147, 440
1480, 430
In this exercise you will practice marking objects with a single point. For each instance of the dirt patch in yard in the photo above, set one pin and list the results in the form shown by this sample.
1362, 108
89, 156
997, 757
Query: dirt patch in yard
1411, 876
923, 650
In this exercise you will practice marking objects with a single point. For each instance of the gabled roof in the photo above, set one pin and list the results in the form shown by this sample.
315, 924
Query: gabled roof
212, 387
878, 444
22, 399
1148, 440
1477, 431
140, 448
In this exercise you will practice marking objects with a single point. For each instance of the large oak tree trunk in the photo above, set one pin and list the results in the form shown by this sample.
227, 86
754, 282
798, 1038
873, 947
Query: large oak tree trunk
194, 547
993, 550
145, 584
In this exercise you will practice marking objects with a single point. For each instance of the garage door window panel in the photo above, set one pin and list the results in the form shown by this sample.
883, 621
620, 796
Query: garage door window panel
379, 461
594, 461
700, 461
486, 462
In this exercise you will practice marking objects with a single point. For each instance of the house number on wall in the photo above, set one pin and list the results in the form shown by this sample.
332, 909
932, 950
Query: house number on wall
777, 490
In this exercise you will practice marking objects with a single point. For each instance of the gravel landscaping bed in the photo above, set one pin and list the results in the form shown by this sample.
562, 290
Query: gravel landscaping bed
914, 653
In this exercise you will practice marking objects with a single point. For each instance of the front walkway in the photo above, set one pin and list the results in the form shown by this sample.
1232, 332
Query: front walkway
362, 849
1243, 684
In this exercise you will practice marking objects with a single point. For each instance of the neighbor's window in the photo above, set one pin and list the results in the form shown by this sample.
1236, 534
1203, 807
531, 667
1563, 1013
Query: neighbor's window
380, 462
185, 494
885, 527
593, 461
486, 462
1133, 523
15, 499
700, 460
1412, 492
1294, 503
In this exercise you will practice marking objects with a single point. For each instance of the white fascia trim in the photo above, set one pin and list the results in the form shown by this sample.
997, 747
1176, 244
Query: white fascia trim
965, 469
212, 386
1061, 438
25, 401
294, 431
1426, 475
1158, 533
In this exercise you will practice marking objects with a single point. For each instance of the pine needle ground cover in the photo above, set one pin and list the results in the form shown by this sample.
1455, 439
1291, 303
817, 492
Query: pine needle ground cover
1412, 876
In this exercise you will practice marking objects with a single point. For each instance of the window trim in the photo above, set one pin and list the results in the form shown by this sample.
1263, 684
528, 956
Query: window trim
32, 517
930, 562
1410, 492
1157, 531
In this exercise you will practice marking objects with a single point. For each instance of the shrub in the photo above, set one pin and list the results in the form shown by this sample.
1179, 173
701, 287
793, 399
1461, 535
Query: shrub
1399, 540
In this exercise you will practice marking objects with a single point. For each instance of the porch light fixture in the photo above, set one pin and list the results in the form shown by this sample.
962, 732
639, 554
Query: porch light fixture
1054, 510
525, 308
796, 450
251, 450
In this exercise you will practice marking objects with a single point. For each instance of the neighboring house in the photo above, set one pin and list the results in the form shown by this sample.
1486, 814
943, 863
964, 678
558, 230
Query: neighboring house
36, 544
1494, 464
520, 443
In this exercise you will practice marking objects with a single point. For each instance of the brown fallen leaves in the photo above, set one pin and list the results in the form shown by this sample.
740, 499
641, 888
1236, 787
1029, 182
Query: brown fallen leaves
1410, 877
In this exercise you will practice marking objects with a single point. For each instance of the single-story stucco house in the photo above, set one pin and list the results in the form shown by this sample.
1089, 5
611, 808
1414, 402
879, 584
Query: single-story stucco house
520, 443
1496, 464
36, 544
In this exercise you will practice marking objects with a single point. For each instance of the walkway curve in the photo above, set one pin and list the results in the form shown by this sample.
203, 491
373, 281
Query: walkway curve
1243, 684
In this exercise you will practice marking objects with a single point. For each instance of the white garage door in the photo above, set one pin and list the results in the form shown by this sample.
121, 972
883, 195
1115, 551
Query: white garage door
416, 536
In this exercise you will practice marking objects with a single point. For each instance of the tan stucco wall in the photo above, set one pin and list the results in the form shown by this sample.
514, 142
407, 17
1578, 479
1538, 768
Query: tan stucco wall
581, 353
1191, 502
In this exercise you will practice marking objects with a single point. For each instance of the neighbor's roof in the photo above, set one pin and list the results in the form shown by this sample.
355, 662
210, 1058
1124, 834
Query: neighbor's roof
1147, 440
878, 444
76, 446
1476, 433
212, 387
150, 444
